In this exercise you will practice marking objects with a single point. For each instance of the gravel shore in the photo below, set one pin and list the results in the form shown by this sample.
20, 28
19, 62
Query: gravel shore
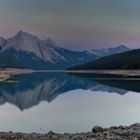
98, 133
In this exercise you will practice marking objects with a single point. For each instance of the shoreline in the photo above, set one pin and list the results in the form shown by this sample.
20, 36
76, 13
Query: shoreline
131, 132
106, 71
8, 72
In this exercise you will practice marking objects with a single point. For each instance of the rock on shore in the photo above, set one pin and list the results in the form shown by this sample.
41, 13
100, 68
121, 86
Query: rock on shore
98, 133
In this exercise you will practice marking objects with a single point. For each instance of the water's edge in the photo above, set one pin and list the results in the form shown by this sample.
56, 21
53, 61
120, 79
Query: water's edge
97, 133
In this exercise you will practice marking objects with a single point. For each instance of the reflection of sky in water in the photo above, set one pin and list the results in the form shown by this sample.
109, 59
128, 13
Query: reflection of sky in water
77, 111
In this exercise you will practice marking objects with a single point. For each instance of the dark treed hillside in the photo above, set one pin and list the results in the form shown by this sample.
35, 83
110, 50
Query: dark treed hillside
126, 60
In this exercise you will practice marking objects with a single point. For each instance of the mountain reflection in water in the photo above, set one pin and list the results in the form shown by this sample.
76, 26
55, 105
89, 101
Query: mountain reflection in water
29, 90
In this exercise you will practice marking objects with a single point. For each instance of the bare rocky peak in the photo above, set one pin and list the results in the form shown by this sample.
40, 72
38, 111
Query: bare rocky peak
26, 42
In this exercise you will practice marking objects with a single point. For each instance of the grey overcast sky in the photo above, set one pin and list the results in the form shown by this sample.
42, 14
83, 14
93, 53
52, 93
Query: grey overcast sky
74, 24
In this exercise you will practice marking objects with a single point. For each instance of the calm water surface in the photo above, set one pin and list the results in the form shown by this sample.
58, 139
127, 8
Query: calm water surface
40, 102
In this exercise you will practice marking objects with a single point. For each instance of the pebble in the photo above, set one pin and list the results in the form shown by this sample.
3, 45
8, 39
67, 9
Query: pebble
131, 132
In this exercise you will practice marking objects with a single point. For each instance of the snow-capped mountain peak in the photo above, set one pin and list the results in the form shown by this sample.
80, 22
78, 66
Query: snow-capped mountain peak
109, 51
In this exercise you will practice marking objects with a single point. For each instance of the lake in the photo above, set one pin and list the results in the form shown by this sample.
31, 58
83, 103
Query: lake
60, 102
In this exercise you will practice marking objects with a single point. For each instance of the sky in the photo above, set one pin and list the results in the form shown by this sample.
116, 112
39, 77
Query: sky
74, 24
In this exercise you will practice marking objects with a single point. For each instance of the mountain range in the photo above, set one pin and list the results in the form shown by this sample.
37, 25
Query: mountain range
109, 51
25, 50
